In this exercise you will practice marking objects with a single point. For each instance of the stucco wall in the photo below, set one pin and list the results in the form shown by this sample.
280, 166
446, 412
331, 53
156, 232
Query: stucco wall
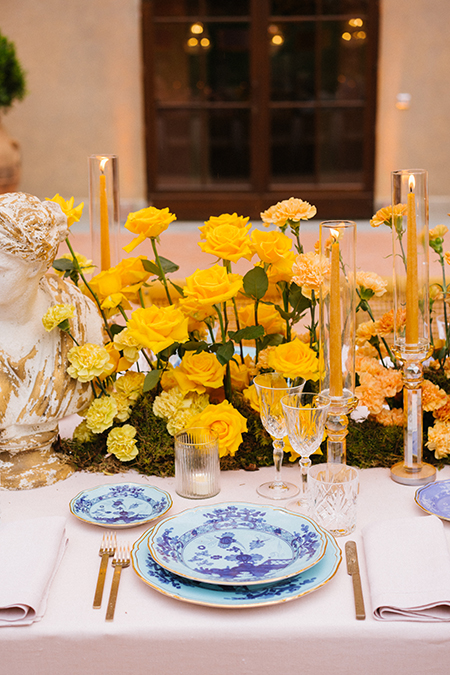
83, 62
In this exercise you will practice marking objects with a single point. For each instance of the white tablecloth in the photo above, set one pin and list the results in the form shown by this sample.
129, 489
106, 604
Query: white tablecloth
152, 633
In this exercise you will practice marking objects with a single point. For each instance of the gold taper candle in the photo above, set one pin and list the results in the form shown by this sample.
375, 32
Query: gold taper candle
412, 294
335, 321
105, 251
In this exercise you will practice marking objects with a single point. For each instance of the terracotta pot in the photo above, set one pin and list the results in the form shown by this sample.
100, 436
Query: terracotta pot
10, 162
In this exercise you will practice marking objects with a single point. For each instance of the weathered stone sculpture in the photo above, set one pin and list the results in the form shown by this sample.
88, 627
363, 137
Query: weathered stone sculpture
35, 389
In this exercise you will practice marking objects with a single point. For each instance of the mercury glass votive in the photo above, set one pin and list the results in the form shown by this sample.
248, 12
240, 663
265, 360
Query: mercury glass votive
104, 210
337, 330
411, 313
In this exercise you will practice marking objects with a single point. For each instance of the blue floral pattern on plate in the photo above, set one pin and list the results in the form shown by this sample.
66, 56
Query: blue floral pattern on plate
120, 504
237, 543
201, 593
434, 498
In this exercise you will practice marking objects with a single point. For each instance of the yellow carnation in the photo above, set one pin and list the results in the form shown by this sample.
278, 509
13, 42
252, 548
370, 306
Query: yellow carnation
87, 361
384, 215
228, 242
131, 385
372, 282
433, 397
390, 418
100, 414
86, 266
226, 422
309, 271
212, 285
127, 343
197, 372
295, 359
437, 232
121, 442
147, 223
56, 315
292, 209
439, 439
82, 433
158, 327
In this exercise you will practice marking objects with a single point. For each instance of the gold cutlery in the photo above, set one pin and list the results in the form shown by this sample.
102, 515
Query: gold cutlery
120, 560
107, 549
351, 555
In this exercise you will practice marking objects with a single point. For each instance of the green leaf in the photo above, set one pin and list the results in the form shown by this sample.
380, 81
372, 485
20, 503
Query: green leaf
196, 346
176, 287
115, 329
297, 300
284, 315
63, 265
151, 379
225, 352
150, 266
64, 325
256, 283
166, 353
247, 333
273, 339
167, 265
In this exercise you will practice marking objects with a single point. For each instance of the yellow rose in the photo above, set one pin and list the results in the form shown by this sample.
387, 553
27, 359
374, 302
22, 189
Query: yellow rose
106, 283
272, 246
295, 359
114, 358
197, 372
240, 375
87, 361
228, 242
281, 270
121, 442
268, 317
56, 315
212, 285
73, 214
224, 219
147, 223
252, 397
132, 271
158, 327
100, 414
226, 422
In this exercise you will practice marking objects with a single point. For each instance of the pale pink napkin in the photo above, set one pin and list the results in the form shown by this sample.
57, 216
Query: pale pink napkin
30, 553
408, 568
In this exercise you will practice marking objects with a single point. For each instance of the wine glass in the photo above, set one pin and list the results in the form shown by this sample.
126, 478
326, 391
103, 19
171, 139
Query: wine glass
305, 413
271, 388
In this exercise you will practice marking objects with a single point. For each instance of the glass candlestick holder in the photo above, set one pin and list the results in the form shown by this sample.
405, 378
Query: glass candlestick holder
337, 330
411, 314
104, 210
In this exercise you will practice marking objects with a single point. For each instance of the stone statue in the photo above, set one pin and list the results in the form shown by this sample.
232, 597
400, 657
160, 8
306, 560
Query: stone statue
35, 389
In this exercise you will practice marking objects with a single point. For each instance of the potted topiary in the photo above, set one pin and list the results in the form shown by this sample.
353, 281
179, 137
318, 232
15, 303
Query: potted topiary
12, 87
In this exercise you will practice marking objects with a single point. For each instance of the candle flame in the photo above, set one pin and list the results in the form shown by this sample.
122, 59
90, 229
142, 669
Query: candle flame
335, 234
103, 163
411, 183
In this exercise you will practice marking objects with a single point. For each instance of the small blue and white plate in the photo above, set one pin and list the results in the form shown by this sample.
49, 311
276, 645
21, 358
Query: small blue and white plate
237, 543
434, 498
120, 505
238, 597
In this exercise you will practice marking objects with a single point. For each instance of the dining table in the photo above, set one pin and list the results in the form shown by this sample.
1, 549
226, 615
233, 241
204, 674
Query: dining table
158, 634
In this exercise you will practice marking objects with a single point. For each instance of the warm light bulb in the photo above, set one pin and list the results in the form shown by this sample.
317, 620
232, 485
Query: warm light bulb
356, 23
192, 42
346, 36
277, 40
205, 42
197, 28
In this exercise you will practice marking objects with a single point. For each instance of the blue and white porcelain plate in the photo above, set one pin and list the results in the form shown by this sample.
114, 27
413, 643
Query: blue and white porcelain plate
434, 498
237, 543
238, 597
120, 505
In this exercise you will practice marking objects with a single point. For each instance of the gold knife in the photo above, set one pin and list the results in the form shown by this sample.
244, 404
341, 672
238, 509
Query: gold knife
353, 569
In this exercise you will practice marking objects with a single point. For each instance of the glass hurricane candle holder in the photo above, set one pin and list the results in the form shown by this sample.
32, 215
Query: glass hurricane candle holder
104, 210
337, 330
411, 313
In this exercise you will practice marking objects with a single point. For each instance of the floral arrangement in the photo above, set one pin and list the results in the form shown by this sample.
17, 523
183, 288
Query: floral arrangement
194, 359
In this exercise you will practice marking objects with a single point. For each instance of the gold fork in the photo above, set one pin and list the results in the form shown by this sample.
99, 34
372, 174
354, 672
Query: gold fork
120, 560
107, 549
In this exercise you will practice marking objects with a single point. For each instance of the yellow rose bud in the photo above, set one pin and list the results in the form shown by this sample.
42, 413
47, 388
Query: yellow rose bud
73, 214
106, 283
212, 285
295, 359
158, 327
56, 315
121, 442
147, 223
270, 246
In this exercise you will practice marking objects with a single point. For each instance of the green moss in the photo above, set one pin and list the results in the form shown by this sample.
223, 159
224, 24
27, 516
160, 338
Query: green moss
369, 444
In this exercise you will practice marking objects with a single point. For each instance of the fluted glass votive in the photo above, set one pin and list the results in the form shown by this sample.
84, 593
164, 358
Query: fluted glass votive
197, 466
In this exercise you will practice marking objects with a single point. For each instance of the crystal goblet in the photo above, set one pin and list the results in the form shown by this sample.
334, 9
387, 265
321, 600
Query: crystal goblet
305, 413
271, 388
